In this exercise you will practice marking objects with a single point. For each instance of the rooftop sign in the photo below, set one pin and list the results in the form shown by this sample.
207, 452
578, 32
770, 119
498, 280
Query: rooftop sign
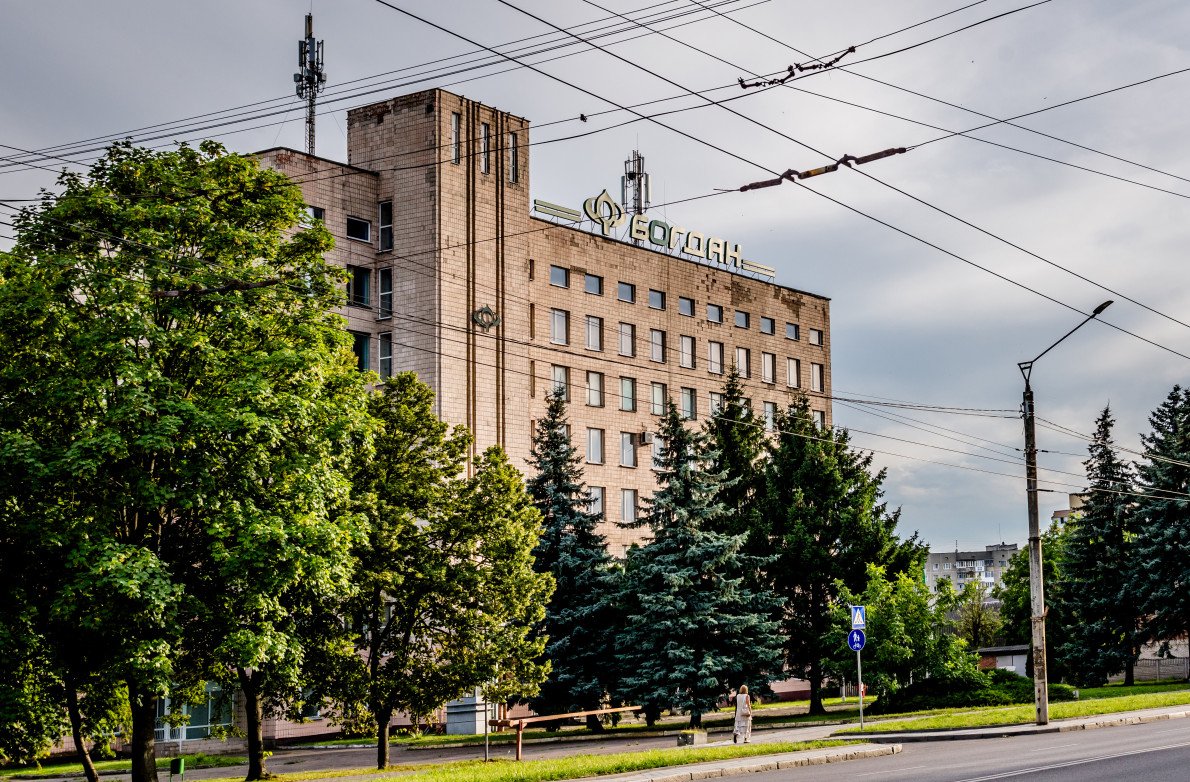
607, 214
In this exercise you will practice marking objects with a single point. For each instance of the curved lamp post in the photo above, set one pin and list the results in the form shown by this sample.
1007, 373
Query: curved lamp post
1036, 588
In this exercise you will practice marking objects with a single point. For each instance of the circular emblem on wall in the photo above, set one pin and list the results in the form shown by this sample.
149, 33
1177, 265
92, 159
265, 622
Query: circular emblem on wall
485, 317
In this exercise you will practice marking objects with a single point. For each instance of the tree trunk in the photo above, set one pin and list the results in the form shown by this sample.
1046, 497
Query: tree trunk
594, 723
142, 743
253, 717
76, 730
1130, 673
383, 718
695, 718
816, 706
652, 714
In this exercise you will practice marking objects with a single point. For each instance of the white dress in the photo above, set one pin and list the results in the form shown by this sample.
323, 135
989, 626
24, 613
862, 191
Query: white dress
743, 716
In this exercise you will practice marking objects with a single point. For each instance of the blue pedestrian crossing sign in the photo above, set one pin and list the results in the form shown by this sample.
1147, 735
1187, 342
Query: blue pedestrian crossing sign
859, 619
856, 640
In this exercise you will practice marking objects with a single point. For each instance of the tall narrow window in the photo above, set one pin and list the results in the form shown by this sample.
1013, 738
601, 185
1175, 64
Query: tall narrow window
743, 362
627, 339
628, 506
716, 403
386, 293
793, 370
386, 355
385, 221
359, 345
358, 280
485, 148
770, 416
715, 358
686, 350
595, 500
456, 140
514, 159
595, 389
561, 377
560, 327
816, 374
657, 345
658, 400
628, 394
689, 403
658, 446
594, 333
820, 419
627, 449
594, 446
768, 367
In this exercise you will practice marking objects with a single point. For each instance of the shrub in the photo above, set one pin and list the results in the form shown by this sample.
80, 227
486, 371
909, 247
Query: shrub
991, 688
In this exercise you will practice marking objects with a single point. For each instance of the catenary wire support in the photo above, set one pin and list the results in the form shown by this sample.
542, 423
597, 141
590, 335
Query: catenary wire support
846, 160
311, 78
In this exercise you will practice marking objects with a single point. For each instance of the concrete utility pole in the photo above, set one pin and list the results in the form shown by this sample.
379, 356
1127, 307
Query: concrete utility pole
310, 79
1036, 587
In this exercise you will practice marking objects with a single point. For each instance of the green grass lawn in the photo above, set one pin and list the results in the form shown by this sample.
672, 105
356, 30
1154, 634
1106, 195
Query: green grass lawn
563, 768
1101, 700
56, 769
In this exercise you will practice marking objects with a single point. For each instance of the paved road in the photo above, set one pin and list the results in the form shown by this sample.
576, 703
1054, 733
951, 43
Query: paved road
1156, 752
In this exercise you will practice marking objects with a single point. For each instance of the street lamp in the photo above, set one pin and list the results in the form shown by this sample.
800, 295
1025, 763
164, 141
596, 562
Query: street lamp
1036, 588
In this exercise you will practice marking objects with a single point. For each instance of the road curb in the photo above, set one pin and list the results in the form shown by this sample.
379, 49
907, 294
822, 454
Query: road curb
1004, 731
730, 768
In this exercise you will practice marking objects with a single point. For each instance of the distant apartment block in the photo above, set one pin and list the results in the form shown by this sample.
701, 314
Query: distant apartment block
962, 567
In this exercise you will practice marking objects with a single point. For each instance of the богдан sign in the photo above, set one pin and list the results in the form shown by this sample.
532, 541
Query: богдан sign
606, 213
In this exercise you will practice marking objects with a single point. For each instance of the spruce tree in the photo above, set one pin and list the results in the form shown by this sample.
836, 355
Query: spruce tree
579, 647
1097, 597
1161, 565
737, 439
693, 627
826, 524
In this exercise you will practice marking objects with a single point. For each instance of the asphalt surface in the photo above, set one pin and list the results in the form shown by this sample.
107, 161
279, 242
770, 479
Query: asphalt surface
1155, 752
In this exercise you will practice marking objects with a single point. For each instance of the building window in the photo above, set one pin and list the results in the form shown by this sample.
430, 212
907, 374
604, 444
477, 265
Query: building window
770, 416
658, 399
628, 506
815, 337
456, 144
819, 419
768, 326
627, 449
386, 293
715, 358
561, 376
359, 230
792, 331
685, 306
657, 345
793, 369
595, 500
686, 351
316, 213
385, 221
628, 394
743, 362
560, 327
485, 148
689, 403
742, 319
386, 355
714, 313
514, 159
595, 389
658, 449
359, 346
358, 282
559, 277
656, 299
627, 339
594, 333
716, 403
593, 283
768, 367
816, 383
626, 291
594, 446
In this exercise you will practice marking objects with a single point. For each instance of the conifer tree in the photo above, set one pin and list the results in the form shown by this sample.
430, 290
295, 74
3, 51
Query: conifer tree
1161, 565
692, 626
1098, 597
579, 647
737, 440
826, 524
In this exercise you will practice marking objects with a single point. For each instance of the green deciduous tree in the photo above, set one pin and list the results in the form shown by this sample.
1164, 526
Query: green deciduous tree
693, 628
162, 328
826, 524
445, 594
977, 617
579, 646
1015, 605
1098, 595
1161, 565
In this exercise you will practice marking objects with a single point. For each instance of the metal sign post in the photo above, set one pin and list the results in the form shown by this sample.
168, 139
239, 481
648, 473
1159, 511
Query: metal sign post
856, 640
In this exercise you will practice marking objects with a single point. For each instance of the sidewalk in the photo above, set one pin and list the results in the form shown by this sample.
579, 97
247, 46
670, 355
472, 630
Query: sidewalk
731, 768
1056, 726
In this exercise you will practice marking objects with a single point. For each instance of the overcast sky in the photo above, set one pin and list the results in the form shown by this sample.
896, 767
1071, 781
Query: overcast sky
909, 322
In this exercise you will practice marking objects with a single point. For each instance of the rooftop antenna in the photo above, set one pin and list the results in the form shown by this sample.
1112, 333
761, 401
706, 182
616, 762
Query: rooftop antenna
634, 185
311, 79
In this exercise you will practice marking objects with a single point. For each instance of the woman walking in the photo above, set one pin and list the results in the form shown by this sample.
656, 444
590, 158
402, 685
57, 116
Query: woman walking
743, 716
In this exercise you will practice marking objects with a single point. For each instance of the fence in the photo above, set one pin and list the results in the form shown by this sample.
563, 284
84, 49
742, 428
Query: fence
1150, 669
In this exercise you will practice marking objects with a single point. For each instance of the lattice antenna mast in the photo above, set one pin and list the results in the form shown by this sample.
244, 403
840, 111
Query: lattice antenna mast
634, 185
310, 79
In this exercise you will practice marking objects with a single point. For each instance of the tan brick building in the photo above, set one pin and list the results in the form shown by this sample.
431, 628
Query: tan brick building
453, 276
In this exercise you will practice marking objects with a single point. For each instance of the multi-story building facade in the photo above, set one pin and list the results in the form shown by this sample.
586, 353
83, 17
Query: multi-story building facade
963, 567
453, 275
